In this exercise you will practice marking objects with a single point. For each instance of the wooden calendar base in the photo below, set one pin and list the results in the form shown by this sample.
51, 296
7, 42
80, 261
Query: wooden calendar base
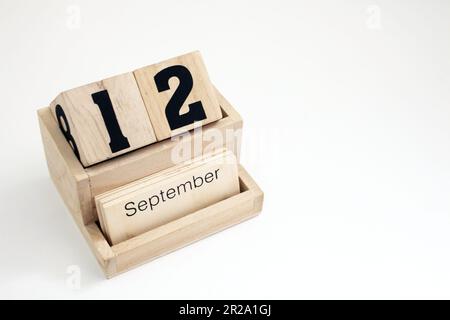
78, 186
176, 234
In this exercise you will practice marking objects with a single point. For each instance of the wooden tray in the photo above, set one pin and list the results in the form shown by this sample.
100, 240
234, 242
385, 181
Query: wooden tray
78, 186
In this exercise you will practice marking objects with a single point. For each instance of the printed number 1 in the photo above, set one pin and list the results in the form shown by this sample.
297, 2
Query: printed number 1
118, 140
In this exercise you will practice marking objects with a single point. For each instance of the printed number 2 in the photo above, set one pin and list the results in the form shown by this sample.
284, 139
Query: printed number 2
196, 111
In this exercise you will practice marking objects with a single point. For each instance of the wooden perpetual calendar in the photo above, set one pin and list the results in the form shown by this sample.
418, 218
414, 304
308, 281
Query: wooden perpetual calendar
148, 161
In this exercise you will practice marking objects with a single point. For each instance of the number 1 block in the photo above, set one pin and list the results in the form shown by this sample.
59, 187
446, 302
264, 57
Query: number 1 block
104, 119
177, 93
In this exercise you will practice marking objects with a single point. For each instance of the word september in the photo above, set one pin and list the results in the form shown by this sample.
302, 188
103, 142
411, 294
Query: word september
131, 208
168, 195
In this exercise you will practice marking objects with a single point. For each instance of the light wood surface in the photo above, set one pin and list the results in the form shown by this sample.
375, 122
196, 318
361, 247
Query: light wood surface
168, 195
87, 126
156, 101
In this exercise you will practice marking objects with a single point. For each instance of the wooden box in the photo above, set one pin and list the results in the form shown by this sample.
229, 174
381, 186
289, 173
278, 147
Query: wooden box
78, 186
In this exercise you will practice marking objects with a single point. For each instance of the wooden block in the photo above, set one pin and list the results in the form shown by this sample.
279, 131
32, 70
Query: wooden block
104, 119
178, 93
168, 195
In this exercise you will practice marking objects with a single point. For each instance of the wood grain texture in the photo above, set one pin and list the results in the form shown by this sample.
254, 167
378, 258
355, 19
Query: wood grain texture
156, 101
88, 127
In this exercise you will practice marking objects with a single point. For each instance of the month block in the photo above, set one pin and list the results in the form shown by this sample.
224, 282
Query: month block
155, 200
178, 95
104, 119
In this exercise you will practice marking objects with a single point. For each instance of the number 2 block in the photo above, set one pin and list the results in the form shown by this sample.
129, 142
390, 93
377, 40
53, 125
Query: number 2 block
178, 93
104, 119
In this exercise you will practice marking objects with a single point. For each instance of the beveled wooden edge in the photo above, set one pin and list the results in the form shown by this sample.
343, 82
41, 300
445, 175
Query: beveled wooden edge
175, 234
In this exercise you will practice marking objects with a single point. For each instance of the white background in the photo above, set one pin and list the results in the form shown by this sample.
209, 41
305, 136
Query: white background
346, 108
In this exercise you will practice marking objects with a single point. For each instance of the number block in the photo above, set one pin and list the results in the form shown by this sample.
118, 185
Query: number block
104, 119
178, 93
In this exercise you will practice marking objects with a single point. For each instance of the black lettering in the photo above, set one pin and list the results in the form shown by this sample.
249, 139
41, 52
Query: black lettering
132, 208
217, 176
195, 181
170, 193
118, 141
196, 111
184, 185
162, 196
209, 177
153, 204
